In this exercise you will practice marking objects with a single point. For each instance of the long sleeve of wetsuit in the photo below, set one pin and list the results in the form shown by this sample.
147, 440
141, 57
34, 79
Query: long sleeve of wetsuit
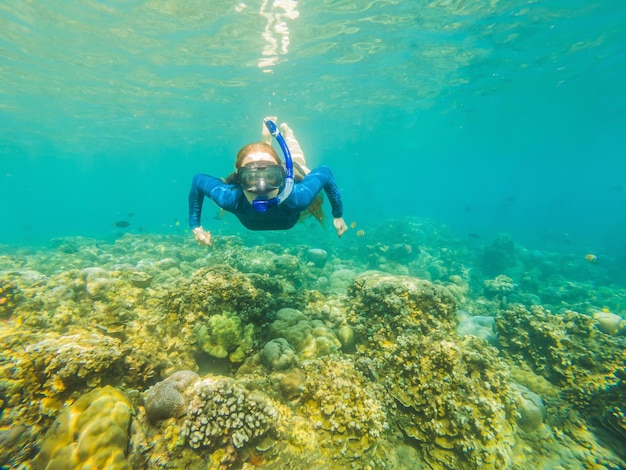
223, 194
306, 190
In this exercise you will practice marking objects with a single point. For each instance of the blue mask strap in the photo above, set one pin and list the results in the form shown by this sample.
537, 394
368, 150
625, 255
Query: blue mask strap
262, 205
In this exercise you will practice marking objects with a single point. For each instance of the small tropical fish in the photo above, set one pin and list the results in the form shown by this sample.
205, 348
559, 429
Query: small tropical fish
353, 225
121, 224
591, 258
360, 233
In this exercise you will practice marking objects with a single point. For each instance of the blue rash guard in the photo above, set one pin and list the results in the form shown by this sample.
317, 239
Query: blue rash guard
231, 198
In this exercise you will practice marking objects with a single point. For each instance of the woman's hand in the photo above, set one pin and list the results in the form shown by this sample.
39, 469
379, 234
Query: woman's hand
340, 226
202, 236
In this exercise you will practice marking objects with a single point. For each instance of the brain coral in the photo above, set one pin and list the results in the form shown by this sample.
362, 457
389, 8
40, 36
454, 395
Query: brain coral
310, 338
165, 399
530, 408
278, 355
92, 433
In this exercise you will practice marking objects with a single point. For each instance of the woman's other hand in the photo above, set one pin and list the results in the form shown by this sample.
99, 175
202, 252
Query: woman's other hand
340, 226
202, 236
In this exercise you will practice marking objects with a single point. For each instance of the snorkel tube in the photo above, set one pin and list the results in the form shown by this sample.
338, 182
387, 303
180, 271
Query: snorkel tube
262, 205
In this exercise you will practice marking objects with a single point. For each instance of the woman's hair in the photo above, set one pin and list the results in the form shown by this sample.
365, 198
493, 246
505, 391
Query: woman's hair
314, 209
256, 147
247, 150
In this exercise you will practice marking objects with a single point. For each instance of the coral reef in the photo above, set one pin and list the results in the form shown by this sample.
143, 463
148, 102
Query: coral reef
265, 352
223, 413
165, 399
530, 407
454, 400
221, 288
385, 306
347, 408
223, 335
92, 433
499, 287
9, 296
453, 395
65, 363
278, 355
480, 326
570, 352
566, 349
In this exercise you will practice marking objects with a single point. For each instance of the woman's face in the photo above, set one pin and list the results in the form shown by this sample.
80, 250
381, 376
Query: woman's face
259, 159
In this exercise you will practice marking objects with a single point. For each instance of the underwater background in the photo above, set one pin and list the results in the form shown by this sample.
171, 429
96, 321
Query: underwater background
472, 316
488, 116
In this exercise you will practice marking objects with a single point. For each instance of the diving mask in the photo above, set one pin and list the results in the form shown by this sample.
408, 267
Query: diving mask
261, 179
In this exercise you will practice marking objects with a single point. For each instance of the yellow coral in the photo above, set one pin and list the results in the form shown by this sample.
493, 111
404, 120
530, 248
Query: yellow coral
92, 433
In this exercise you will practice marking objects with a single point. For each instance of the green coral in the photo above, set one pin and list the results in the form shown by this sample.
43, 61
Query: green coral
224, 335
278, 355
310, 338
92, 433
292, 325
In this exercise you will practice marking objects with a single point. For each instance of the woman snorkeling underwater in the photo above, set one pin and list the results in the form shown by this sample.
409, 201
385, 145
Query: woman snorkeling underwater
263, 193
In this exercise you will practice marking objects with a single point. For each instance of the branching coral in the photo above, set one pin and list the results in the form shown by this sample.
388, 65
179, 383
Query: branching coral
222, 413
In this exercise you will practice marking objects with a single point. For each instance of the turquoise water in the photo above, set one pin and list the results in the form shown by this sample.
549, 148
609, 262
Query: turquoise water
472, 317
488, 116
